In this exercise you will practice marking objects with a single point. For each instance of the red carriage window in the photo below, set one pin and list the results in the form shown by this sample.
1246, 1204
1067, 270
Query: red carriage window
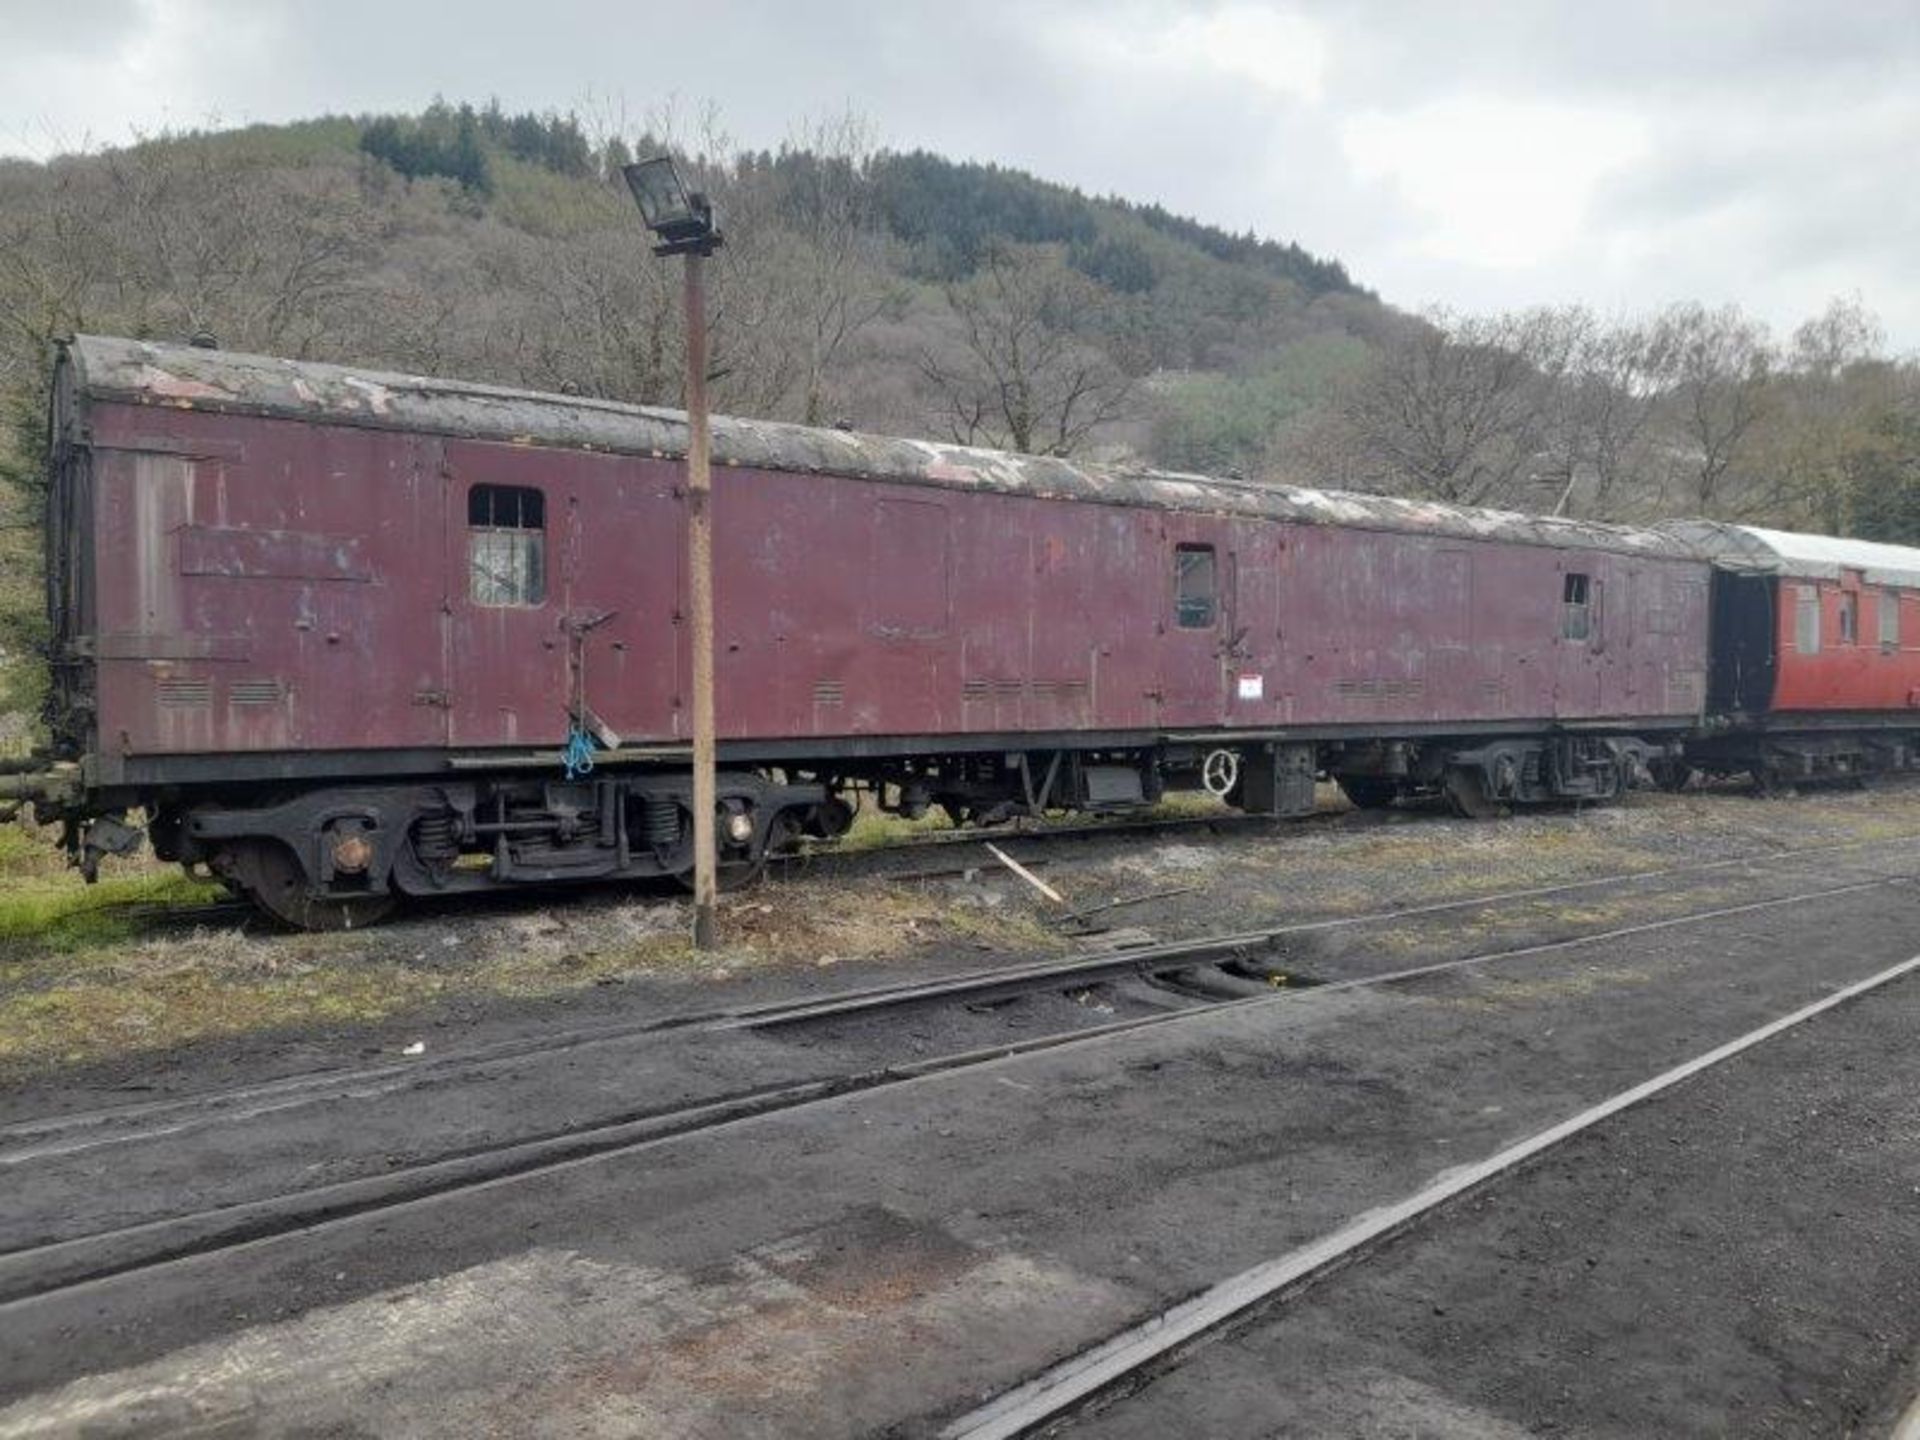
1890, 619
506, 545
1576, 607
1849, 618
1194, 590
1806, 619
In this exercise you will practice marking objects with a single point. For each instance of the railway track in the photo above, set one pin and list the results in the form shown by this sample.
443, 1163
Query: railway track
1107, 1372
1174, 983
26, 1140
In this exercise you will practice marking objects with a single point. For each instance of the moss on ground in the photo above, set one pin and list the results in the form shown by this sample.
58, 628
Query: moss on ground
45, 906
91, 973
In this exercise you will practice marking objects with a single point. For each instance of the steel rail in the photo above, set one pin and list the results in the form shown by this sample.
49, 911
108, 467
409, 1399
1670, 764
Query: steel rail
244, 1102
1061, 1390
34, 1271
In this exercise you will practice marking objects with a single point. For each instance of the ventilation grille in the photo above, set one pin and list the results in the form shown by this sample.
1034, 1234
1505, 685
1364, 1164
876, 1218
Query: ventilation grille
829, 692
1067, 690
1377, 689
255, 692
186, 694
974, 690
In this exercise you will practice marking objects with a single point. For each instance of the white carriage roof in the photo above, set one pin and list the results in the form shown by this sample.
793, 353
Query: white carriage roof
1785, 552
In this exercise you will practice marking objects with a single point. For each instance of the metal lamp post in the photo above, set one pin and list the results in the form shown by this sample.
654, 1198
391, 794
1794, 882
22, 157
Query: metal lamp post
683, 225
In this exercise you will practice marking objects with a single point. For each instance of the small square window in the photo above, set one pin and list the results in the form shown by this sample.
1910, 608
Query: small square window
1890, 619
1576, 608
1194, 588
506, 545
1849, 618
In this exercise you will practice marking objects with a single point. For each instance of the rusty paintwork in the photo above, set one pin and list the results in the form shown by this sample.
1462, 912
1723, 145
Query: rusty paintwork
275, 564
150, 374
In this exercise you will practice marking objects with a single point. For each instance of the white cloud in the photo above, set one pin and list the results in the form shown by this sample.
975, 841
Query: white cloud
1493, 182
122, 68
1486, 153
1145, 52
1275, 50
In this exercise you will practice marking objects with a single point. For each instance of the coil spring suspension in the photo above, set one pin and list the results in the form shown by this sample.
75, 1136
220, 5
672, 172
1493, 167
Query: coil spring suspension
659, 823
434, 839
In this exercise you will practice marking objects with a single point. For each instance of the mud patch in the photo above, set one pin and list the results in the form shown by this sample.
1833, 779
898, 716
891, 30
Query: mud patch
832, 1331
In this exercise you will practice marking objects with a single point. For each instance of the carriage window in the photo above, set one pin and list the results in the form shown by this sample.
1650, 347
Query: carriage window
1576, 608
1806, 620
1849, 618
506, 545
1193, 586
1890, 619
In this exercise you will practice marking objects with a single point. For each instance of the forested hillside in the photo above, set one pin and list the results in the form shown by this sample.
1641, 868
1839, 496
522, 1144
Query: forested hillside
913, 294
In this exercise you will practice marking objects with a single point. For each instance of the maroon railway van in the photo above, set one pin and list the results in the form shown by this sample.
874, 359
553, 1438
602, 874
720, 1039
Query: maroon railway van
330, 631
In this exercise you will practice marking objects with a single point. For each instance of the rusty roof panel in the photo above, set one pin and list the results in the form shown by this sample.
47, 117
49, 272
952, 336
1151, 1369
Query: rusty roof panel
185, 377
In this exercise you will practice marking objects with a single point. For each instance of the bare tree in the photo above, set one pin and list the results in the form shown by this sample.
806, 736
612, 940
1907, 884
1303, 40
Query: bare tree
54, 256
1601, 376
266, 257
1833, 394
1455, 408
1715, 369
1617, 376
836, 262
588, 312
1028, 375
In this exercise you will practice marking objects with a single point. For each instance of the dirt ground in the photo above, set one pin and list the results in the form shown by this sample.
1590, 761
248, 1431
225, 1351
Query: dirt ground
102, 986
1737, 1258
877, 1262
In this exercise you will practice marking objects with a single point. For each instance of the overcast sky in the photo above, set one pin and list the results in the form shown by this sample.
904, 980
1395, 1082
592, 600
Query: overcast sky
1621, 152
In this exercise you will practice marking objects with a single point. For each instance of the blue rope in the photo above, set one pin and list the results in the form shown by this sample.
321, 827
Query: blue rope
578, 756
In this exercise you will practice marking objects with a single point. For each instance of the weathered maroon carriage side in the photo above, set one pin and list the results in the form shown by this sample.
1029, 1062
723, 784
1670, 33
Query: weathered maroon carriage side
331, 628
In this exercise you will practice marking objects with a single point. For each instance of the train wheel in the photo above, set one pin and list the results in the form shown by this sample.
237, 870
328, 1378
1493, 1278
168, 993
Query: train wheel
1368, 792
1672, 776
731, 875
274, 881
784, 834
735, 871
1467, 795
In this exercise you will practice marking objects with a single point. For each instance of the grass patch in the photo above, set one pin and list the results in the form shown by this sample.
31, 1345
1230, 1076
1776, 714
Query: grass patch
80, 982
71, 916
1183, 805
874, 828
24, 850
46, 907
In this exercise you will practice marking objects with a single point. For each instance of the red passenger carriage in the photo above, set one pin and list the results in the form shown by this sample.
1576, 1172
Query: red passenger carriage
1816, 646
